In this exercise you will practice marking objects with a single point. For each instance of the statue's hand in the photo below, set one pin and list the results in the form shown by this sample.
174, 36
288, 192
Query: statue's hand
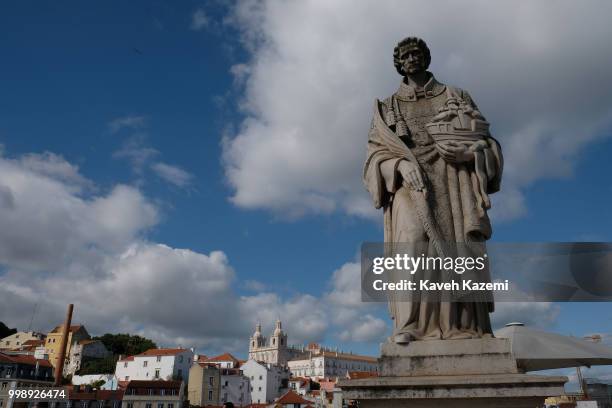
411, 174
455, 152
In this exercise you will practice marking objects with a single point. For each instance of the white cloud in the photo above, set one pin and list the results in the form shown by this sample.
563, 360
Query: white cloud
55, 167
61, 243
127, 122
172, 174
312, 79
199, 20
48, 220
356, 321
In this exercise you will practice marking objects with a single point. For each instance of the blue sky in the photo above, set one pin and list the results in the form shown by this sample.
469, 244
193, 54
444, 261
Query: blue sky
114, 90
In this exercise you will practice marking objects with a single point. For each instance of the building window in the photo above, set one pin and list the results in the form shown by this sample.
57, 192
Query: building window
158, 359
157, 373
211, 380
148, 405
130, 405
170, 405
180, 359
144, 363
125, 365
210, 395
160, 405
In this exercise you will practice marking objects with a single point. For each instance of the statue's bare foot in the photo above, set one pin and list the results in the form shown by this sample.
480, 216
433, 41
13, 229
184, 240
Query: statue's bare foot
403, 338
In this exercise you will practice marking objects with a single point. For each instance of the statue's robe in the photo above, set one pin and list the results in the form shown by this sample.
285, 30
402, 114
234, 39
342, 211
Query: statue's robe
453, 209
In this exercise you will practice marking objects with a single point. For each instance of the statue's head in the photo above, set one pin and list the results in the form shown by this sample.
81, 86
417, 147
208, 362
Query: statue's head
411, 56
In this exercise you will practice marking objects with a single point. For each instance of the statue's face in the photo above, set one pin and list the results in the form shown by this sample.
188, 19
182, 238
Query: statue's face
413, 60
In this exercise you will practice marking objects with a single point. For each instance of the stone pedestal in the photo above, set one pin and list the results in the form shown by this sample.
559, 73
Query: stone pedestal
451, 373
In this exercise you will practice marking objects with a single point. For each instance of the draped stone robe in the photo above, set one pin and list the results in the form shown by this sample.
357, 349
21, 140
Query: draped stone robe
454, 209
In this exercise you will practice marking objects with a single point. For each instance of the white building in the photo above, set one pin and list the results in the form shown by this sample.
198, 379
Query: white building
267, 381
300, 385
156, 364
16, 341
235, 387
83, 351
322, 363
273, 349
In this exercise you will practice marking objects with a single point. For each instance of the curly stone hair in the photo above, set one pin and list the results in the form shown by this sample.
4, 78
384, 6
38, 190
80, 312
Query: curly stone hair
406, 42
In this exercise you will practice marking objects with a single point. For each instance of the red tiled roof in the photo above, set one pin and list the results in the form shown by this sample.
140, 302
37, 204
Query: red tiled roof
162, 352
224, 357
290, 397
302, 380
128, 358
21, 359
327, 384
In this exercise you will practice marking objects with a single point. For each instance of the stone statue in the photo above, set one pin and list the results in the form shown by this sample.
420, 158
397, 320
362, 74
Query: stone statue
431, 165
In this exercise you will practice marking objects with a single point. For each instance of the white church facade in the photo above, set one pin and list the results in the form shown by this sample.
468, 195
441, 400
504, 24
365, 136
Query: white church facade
311, 361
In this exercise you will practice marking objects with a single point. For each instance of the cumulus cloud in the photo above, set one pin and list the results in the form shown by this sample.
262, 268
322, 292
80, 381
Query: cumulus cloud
62, 243
49, 221
358, 321
312, 77
172, 174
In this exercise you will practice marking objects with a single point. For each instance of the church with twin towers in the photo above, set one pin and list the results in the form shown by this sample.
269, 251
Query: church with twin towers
312, 360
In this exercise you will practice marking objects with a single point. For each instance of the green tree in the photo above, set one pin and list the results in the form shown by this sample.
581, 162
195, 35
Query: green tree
5, 331
99, 366
125, 344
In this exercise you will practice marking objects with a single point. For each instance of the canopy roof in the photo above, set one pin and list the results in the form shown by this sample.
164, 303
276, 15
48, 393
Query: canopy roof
539, 350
